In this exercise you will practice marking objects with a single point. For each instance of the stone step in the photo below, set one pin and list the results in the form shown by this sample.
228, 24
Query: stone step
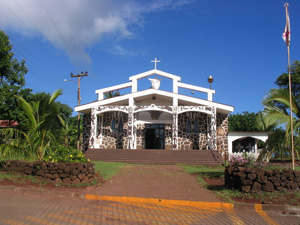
200, 157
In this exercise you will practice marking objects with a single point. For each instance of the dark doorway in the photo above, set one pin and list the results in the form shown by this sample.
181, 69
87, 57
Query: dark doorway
155, 136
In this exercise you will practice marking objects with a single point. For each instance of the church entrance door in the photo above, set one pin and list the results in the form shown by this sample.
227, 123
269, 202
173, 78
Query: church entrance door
155, 136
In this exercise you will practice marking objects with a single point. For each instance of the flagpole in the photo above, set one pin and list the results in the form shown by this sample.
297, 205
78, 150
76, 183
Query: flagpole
286, 5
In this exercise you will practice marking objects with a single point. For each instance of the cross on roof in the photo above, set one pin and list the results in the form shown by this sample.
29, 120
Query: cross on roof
155, 62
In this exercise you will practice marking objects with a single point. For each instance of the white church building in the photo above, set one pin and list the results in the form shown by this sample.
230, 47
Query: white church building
154, 118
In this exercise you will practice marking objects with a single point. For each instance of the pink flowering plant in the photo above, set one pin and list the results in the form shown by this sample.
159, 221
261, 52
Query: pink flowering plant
245, 160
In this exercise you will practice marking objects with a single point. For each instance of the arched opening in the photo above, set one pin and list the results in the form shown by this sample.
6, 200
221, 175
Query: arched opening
247, 144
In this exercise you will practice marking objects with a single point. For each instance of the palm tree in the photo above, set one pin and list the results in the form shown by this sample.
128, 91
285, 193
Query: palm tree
111, 94
39, 136
277, 105
69, 132
277, 113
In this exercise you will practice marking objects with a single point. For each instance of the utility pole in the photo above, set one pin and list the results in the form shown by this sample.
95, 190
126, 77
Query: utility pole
79, 76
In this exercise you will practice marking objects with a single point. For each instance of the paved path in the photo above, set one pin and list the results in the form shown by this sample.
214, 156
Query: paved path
156, 181
155, 195
17, 208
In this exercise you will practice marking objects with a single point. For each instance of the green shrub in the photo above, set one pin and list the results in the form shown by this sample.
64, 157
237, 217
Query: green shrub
66, 154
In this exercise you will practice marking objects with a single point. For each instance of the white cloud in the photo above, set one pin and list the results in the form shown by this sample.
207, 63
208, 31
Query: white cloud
74, 25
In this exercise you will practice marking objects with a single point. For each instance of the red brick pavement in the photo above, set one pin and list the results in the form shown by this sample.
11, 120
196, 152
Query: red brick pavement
156, 181
36, 206
17, 208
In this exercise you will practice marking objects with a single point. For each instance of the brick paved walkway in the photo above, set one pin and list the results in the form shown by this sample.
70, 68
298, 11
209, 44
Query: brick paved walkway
156, 181
18, 208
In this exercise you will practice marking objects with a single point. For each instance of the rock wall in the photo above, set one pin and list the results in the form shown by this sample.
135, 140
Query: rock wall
257, 180
114, 139
62, 172
222, 131
168, 137
192, 140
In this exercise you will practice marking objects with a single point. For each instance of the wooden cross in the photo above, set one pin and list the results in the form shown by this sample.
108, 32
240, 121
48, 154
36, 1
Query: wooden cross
155, 62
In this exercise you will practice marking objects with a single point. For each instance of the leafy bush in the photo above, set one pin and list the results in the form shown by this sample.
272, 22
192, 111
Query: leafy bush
246, 161
66, 154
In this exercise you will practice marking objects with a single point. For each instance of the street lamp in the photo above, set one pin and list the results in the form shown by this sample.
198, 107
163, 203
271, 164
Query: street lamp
210, 80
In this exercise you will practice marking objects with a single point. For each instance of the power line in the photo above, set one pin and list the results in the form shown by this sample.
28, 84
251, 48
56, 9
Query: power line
38, 67
37, 28
67, 47
15, 49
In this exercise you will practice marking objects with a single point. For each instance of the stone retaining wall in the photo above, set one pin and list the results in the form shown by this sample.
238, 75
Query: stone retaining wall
62, 172
256, 180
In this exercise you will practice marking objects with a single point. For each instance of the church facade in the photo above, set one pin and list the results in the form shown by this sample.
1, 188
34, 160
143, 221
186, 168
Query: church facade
155, 118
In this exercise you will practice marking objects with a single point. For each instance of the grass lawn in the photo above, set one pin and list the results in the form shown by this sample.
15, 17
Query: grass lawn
202, 172
108, 169
20, 179
4, 175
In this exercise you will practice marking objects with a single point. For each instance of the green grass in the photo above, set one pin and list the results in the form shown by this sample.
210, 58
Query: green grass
108, 169
20, 179
200, 168
228, 195
4, 175
204, 171
297, 168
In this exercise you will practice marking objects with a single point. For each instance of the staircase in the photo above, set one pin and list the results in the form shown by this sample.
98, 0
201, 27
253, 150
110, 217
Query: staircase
153, 156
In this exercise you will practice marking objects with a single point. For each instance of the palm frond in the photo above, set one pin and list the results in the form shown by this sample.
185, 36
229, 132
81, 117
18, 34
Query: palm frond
54, 96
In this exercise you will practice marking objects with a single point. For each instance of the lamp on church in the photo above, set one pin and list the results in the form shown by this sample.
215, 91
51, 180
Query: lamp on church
210, 80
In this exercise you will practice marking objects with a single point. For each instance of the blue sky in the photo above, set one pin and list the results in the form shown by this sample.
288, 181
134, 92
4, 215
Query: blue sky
238, 42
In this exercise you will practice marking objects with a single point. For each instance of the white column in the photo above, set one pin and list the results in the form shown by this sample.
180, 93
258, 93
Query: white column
130, 130
134, 85
175, 128
210, 96
212, 130
100, 96
131, 101
175, 101
101, 131
175, 86
93, 132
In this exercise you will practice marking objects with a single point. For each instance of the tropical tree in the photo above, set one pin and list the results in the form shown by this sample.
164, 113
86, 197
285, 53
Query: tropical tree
283, 80
244, 122
111, 94
70, 131
40, 138
275, 146
56, 108
12, 81
277, 113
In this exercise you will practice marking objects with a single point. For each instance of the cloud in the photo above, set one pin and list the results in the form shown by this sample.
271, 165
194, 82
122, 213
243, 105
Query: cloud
75, 25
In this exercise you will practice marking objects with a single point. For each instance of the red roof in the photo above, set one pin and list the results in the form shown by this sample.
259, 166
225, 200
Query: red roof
5, 123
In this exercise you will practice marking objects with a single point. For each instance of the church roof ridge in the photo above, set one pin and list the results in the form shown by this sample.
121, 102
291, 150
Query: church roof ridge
157, 72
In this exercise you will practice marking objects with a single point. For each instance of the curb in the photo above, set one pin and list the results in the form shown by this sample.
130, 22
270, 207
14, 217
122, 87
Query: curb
156, 201
285, 209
